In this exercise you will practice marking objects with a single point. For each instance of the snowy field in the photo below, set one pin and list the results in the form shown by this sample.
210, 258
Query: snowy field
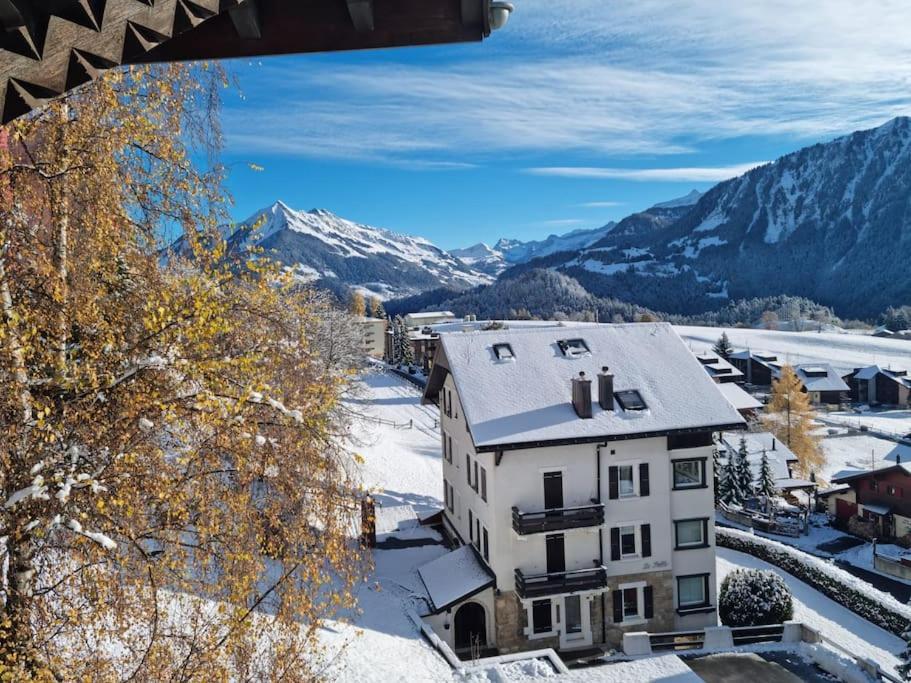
895, 422
854, 453
835, 622
843, 351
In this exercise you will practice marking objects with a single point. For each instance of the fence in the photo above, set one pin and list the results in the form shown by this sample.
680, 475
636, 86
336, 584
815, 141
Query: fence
790, 525
391, 423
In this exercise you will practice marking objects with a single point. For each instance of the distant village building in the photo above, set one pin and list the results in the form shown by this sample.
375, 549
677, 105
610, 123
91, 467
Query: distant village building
820, 380
880, 499
781, 459
577, 465
729, 379
876, 385
374, 335
428, 318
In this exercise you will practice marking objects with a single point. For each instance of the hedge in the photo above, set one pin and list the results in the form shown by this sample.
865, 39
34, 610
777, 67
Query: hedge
836, 584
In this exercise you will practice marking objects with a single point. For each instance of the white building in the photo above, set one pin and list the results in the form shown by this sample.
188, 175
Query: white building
428, 318
374, 335
592, 514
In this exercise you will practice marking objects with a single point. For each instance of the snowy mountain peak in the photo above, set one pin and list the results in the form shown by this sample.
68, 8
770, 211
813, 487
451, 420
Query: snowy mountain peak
687, 200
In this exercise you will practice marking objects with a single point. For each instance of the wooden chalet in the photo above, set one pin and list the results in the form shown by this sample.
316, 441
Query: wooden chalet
880, 386
880, 498
48, 47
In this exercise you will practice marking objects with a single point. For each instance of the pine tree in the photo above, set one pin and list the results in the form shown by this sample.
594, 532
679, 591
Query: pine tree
398, 329
728, 491
789, 416
723, 346
376, 308
765, 484
407, 347
743, 473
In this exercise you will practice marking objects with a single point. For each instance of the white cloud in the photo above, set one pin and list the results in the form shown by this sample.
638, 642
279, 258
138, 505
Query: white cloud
655, 77
558, 222
688, 175
600, 205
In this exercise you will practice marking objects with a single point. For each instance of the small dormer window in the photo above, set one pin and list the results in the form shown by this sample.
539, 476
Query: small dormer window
573, 347
630, 400
503, 352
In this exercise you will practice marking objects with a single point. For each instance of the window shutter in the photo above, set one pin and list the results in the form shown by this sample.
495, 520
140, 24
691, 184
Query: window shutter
613, 482
615, 544
649, 603
618, 606
646, 532
643, 479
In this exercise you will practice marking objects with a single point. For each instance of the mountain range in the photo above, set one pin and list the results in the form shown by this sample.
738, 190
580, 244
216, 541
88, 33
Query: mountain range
830, 222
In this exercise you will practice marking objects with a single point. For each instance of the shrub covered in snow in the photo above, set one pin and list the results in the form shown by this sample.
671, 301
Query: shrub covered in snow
754, 597
853, 593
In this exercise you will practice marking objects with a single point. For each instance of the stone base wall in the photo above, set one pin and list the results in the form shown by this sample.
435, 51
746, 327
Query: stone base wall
662, 584
597, 620
512, 620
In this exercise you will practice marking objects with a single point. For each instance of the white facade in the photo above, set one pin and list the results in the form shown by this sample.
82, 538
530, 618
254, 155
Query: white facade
481, 495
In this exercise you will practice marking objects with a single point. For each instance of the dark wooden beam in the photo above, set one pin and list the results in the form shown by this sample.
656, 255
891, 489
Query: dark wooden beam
245, 18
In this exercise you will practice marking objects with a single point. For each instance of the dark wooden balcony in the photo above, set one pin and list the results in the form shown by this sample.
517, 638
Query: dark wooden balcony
558, 519
542, 585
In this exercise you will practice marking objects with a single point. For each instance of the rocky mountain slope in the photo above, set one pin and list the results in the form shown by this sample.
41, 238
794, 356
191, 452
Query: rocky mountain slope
831, 222
337, 253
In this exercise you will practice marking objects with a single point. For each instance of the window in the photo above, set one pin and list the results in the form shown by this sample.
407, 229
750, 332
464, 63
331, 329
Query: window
451, 499
477, 533
486, 547
894, 491
553, 490
630, 603
627, 541
690, 533
633, 602
540, 616
503, 352
468, 468
446, 495
630, 400
874, 485
447, 447
692, 591
470, 525
476, 477
689, 474
573, 347
449, 443
483, 484
627, 485
573, 605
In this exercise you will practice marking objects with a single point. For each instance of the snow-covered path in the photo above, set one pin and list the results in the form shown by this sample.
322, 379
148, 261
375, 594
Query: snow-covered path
402, 464
835, 622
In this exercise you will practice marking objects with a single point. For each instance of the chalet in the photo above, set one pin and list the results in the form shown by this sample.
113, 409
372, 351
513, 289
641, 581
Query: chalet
876, 385
423, 342
880, 497
757, 368
824, 385
577, 464
728, 379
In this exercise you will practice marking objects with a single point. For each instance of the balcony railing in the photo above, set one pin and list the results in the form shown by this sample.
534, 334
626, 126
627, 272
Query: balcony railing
541, 585
558, 519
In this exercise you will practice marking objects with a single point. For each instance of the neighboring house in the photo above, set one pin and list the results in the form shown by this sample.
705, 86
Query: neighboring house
758, 368
374, 335
876, 385
423, 345
881, 496
577, 462
719, 369
428, 318
821, 381
728, 378
782, 459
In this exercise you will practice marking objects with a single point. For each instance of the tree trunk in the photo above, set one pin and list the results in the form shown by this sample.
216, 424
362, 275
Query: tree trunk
16, 648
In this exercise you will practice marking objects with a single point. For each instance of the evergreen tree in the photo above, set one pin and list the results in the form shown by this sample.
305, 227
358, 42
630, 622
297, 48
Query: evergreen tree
723, 346
742, 472
728, 492
398, 332
789, 416
765, 485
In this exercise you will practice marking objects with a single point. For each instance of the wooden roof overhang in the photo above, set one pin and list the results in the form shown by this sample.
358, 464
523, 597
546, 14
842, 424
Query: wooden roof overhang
48, 47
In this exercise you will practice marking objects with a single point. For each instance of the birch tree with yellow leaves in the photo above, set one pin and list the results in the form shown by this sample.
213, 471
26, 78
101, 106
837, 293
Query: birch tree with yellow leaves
789, 416
174, 503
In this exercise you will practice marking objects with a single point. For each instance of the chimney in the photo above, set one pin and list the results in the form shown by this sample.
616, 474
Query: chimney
773, 443
582, 396
605, 389
898, 458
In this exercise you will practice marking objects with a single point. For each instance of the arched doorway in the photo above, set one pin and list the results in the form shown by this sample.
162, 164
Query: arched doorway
470, 626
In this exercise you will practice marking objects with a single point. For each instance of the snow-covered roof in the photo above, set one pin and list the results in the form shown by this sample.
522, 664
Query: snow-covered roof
717, 366
847, 475
758, 443
528, 399
820, 377
871, 372
900, 453
739, 398
832, 490
431, 314
455, 576
877, 509
790, 483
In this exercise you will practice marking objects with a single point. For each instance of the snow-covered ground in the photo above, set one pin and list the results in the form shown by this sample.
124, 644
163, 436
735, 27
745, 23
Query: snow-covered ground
842, 351
853, 453
895, 422
835, 622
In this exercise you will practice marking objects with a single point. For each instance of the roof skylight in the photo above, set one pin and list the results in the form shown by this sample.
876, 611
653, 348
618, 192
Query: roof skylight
630, 399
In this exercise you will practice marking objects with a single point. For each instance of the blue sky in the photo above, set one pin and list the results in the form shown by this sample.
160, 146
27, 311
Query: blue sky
578, 112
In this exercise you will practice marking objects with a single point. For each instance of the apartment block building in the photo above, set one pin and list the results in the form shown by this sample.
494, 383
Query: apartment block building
577, 463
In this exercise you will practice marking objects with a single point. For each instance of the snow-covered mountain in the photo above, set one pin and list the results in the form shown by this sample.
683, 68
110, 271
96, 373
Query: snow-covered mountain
337, 253
483, 258
831, 222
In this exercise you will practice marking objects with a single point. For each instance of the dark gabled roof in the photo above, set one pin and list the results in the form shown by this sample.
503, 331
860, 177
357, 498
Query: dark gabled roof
852, 475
